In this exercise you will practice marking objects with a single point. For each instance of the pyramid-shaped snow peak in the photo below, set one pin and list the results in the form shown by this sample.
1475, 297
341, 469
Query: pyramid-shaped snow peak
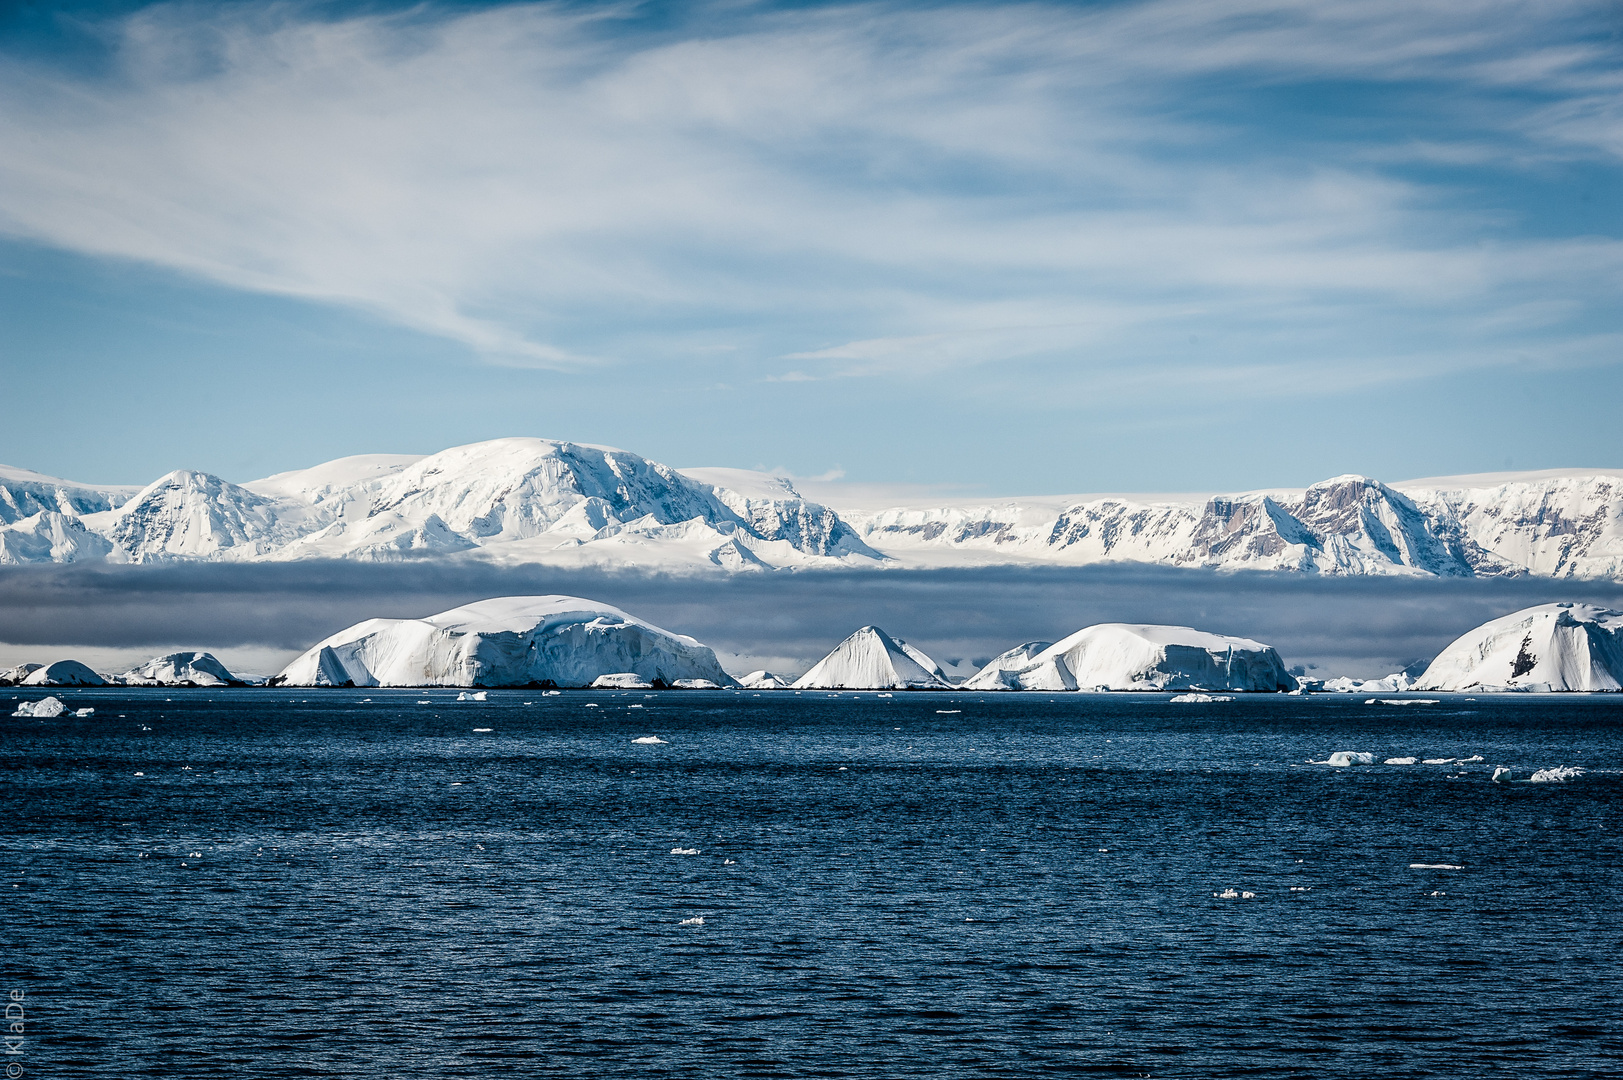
871, 659
1554, 647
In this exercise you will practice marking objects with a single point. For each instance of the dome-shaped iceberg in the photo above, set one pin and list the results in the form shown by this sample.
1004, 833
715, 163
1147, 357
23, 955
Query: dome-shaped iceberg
1124, 656
1549, 647
506, 641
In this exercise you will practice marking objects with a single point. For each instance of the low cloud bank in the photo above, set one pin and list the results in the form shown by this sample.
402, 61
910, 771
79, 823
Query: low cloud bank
1359, 626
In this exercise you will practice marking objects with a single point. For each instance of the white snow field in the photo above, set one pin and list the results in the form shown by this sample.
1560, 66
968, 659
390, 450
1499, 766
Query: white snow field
871, 659
506, 641
1125, 656
763, 680
180, 669
1550, 647
525, 501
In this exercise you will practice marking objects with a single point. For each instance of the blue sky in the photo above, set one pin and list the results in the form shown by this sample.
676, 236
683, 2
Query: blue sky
1166, 245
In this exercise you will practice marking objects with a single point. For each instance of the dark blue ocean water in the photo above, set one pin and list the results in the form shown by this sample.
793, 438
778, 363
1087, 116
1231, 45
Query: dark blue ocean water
349, 883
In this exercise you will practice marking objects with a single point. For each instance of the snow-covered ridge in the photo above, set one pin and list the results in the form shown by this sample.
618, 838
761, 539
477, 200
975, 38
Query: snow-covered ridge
539, 501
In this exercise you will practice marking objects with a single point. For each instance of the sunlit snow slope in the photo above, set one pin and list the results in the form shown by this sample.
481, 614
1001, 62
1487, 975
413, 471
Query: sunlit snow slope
526, 501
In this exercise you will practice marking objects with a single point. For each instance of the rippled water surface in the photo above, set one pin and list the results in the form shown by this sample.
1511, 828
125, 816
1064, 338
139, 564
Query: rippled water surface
258, 883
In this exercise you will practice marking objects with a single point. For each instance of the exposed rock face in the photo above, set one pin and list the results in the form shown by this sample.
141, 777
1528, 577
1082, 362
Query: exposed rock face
1549, 647
871, 659
508, 641
1123, 656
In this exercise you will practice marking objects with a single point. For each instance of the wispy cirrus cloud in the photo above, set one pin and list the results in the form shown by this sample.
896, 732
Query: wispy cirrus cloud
868, 189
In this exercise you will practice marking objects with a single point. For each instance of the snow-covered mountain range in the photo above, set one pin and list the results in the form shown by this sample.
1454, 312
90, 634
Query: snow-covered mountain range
540, 501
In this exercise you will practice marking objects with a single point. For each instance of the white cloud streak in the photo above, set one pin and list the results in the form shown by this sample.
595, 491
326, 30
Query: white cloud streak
931, 188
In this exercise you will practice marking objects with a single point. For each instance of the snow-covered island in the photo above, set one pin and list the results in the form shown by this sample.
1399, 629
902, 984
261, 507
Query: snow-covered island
527, 501
1550, 647
1124, 656
561, 641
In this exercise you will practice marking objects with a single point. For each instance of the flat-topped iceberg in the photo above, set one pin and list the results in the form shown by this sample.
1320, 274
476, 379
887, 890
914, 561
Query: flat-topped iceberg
871, 659
181, 669
1127, 656
1551, 647
506, 641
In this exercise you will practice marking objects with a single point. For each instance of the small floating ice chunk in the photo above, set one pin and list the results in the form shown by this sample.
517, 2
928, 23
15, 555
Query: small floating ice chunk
1469, 760
1439, 761
1200, 698
637, 706
684, 851
650, 740
1343, 758
697, 920
948, 712
83, 712
1403, 701
1234, 894
425, 701
591, 705
481, 729
1400, 761
477, 695
1558, 775
1434, 866
44, 707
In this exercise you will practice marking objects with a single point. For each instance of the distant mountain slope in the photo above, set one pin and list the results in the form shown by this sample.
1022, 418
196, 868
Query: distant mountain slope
540, 501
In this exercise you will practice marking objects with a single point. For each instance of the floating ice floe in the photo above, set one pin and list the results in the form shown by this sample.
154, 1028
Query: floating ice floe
1342, 758
1200, 698
481, 729
1400, 761
1558, 775
1434, 866
697, 920
1234, 894
621, 680
684, 851
477, 695
44, 707
650, 740
1403, 701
